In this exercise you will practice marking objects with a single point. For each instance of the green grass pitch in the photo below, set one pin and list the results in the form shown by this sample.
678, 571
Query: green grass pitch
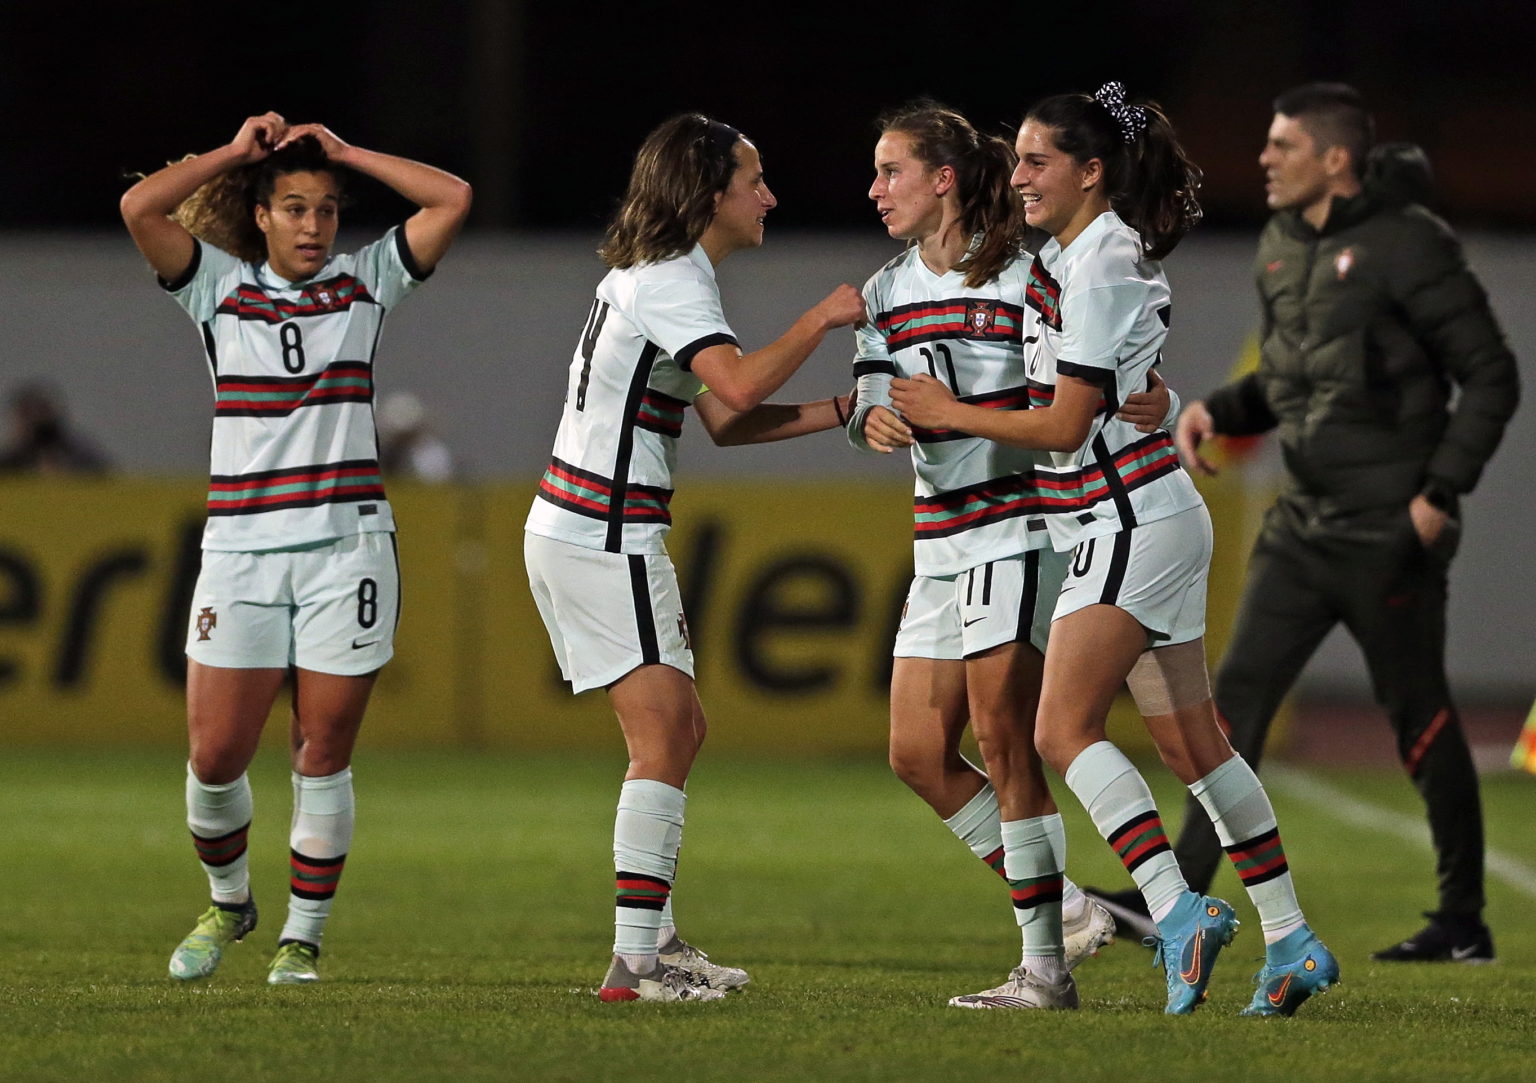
474, 918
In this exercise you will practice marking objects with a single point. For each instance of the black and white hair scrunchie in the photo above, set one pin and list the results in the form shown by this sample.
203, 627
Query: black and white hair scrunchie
1131, 118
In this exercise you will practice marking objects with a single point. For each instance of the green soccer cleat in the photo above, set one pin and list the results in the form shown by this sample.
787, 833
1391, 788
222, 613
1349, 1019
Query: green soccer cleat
296, 963
222, 923
1284, 987
1188, 953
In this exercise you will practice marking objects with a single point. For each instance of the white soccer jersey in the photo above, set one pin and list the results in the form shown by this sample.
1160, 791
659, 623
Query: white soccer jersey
294, 455
609, 483
970, 493
1099, 312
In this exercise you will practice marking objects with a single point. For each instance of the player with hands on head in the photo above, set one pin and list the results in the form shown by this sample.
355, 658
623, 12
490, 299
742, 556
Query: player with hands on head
655, 342
1111, 185
969, 647
299, 568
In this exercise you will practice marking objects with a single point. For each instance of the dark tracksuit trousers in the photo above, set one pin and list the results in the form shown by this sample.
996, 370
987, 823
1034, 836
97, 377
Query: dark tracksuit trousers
1375, 576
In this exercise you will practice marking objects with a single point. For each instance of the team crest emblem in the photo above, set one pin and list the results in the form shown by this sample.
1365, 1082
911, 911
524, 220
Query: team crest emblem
979, 317
1343, 262
325, 297
207, 620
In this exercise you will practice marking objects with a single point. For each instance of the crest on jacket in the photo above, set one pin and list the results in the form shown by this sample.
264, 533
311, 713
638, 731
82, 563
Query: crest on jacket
979, 317
1343, 262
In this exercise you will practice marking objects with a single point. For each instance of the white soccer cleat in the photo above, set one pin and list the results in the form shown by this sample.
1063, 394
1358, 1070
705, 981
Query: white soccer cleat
1093, 929
1023, 990
694, 963
665, 983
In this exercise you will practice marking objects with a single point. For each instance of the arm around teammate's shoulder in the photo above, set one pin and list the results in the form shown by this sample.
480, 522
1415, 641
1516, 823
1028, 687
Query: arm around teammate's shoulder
742, 381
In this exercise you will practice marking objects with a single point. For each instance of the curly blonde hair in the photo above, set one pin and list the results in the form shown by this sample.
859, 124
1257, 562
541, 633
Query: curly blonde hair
223, 211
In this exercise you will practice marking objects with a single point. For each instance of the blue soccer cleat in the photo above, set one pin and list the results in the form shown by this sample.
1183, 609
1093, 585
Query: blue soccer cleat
1284, 987
1188, 953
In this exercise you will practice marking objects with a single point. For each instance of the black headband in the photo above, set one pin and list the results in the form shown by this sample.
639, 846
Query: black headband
721, 137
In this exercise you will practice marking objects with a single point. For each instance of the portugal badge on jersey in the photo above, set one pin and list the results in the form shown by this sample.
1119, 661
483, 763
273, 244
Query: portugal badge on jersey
207, 620
979, 317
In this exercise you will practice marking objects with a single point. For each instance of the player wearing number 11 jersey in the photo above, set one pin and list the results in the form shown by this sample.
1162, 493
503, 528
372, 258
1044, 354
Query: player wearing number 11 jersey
299, 566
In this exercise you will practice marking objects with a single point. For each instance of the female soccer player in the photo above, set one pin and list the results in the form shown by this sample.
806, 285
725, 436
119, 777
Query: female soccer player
970, 644
299, 566
654, 339
1113, 188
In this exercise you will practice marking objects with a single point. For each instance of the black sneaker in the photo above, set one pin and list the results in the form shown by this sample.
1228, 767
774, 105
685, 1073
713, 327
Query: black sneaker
1448, 938
1129, 910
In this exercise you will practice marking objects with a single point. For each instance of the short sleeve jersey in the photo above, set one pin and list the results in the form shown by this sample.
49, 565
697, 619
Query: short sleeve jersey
975, 500
1100, 313
608, 485
294, 453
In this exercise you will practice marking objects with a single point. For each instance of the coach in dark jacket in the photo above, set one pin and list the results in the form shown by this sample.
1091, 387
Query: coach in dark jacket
1371, 319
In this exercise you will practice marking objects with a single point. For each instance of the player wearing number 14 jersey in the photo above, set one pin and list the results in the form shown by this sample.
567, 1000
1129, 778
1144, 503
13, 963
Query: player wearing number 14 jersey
653, 340
299, 567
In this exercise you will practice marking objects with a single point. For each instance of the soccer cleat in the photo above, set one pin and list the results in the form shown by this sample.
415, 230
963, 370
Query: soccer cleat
296, 963
1448, 938
1093, 929
665, 983
1128, 909
1022, 990
699, 970
198, 955
1285, 987
1188, 954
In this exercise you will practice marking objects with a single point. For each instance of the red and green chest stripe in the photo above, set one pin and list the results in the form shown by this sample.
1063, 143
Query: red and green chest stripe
276, 396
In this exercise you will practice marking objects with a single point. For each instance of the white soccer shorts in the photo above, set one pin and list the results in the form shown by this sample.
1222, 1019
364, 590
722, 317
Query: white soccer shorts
607, 613
1003, 601
1154, 571
330, 608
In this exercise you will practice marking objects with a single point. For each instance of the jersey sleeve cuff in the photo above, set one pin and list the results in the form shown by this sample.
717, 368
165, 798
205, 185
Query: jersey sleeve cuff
407, 259
871, 368
1088, 373
685, 356
179, 283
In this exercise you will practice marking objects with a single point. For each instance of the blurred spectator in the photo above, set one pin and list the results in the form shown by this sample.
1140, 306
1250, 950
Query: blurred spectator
408, 448
41, 440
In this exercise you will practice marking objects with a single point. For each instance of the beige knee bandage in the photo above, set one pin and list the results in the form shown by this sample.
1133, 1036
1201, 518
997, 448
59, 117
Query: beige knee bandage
1167, 678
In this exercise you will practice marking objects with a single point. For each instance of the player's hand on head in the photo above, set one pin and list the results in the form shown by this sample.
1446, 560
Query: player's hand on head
333, 145
923, 400
1194, 428
259, 136
884, 431
841, 307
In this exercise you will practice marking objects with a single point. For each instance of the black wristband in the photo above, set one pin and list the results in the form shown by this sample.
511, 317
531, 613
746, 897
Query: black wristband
838, 410
1440, 497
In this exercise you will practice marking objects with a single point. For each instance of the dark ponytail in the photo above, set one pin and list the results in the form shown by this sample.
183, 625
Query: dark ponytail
983, 166
1150, 181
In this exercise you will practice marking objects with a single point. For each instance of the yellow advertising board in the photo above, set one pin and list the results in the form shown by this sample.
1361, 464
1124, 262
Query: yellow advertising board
793, 591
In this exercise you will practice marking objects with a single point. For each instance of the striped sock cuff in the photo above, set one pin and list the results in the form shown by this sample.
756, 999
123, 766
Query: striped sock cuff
994, 861
1035, 890
1139, 838
314, 877
1260, 858
640, 892
221, 850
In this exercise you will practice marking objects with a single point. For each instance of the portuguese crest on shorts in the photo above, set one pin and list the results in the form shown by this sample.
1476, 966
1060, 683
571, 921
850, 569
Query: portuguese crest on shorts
207, 620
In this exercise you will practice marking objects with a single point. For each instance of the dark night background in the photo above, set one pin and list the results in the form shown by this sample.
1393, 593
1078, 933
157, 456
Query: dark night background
541, 105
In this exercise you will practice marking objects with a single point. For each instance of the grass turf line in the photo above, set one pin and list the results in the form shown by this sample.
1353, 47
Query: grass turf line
474, 918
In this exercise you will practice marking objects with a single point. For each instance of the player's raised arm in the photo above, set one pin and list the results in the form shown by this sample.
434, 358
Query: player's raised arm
443, 198
741, 381
147, 206
769, 422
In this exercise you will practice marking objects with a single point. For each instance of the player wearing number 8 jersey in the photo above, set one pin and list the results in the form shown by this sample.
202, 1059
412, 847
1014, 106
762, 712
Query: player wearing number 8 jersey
1111, 185
654, 339
299, 567
968, 650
